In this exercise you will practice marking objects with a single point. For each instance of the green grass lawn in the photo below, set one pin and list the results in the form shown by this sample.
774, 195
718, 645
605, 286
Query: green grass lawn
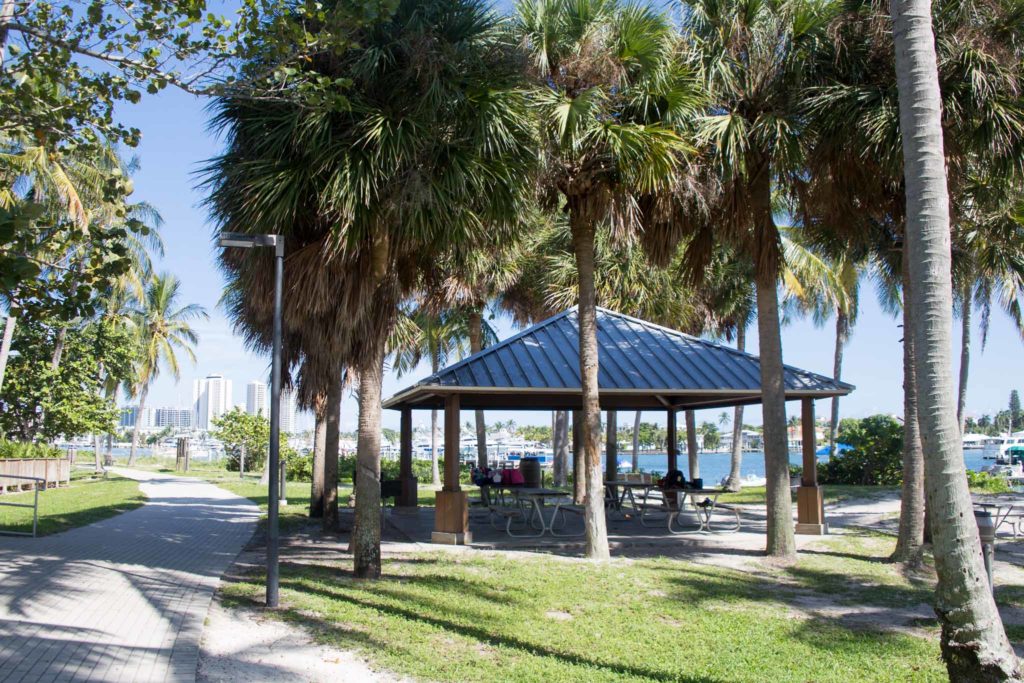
84, 501
833, 493
484, 617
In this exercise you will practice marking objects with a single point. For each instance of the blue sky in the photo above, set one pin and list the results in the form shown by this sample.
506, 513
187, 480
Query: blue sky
175, 143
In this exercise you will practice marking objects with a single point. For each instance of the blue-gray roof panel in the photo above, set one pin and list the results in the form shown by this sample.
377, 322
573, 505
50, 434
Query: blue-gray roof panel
634, 355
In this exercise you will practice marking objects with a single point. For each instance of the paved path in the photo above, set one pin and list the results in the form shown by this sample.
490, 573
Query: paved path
123, 599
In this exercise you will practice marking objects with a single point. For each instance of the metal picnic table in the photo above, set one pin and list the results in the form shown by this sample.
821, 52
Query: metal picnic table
704, 503
535, 498
1002, 514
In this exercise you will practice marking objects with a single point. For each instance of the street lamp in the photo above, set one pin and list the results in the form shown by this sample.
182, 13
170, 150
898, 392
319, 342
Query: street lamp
244, 241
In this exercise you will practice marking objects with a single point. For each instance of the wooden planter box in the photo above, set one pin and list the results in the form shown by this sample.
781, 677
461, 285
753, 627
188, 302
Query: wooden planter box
55, 472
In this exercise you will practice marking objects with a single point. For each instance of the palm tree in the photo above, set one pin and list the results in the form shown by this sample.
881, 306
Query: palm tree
439, 337
162, 329
823, 287
974, 642
610, 88
756, 59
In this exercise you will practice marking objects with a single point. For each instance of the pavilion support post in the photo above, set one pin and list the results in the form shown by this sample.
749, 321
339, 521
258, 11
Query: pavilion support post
579, 472
611, 447
409, 496
673, 448
451, 516
810, 508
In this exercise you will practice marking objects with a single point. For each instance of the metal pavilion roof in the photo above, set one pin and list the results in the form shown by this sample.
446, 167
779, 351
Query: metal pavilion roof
642, 366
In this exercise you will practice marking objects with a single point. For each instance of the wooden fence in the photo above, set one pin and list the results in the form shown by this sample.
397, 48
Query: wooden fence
55, 472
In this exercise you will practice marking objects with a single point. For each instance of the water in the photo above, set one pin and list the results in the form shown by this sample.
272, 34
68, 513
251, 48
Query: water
715, 466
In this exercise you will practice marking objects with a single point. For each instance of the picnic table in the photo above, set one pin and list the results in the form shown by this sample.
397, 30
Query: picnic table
617, 498
703, 502
1004, 513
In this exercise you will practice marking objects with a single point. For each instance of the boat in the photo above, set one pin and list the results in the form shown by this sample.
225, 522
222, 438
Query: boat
840, 449
975, 441
751, 480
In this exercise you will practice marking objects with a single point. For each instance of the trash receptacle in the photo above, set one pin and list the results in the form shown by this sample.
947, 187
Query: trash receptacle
530, 467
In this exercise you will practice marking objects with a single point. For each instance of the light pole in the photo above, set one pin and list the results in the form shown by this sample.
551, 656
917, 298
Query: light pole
244, 241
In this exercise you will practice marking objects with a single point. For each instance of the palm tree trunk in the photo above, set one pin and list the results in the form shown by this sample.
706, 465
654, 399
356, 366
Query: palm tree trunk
973, 640
138, 424
476, 334
636, 441
693, 456
332, 437
911, 536
5, 345
579, 477
560, 447
965, 355
781, 542
366, 529
736, 460
316, 487
435, 473
611, 446
596, 530
842, 333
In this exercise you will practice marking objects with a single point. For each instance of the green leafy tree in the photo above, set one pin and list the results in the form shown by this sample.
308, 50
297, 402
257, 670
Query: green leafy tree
237, 429
40, 401
712, 436
1016, 416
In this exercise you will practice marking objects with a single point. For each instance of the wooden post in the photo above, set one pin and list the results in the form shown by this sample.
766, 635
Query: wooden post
611, 447
673, 449
451, 516
409, 495
579, 472
810, 507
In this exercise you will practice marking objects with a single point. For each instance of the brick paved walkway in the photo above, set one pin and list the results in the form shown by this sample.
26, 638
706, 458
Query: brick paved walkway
123, 599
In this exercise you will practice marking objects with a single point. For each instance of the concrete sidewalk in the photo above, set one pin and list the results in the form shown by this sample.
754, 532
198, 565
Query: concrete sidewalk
123, 599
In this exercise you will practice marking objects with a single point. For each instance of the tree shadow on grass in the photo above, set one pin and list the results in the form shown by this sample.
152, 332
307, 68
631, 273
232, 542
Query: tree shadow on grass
417, 610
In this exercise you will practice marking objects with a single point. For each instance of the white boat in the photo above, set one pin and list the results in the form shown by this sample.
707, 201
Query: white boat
975, 441
751, 480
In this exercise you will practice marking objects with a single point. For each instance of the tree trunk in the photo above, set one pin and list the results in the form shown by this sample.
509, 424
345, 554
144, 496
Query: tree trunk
636, 441
596, 531
58, 348
332, 437
97, 457
842, 333
560, 447
138, 423
6, 12
736, 461
973, 640
911, 536
366, 530
965, 356
316, 487
693, 456
476, 335
435, 473
5, 345
781, 542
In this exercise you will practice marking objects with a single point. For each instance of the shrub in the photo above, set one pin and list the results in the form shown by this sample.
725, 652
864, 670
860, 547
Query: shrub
876, 456
20, 450
299, 468
989, 483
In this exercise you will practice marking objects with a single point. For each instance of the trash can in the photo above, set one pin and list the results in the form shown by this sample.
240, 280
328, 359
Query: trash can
530, 467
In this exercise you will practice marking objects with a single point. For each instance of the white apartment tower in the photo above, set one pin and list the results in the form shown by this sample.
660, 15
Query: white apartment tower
287, 411
211, 398
256, 399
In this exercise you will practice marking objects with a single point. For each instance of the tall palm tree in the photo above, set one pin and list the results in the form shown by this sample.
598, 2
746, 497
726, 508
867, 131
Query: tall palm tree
756, 59
610, 88
163, 328
823, 287
974, 642
439, 338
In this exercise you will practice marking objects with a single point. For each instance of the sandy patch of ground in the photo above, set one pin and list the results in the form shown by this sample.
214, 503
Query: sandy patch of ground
240, 644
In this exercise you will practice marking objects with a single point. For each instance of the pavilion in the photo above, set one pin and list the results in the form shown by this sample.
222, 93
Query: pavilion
643, 366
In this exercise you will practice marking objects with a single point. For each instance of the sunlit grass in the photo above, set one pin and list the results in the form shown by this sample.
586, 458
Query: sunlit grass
85, 500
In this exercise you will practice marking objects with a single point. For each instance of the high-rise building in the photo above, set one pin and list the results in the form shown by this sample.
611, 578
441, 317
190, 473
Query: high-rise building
130, 416
179, 418
256, 399
287, 411
211, 398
